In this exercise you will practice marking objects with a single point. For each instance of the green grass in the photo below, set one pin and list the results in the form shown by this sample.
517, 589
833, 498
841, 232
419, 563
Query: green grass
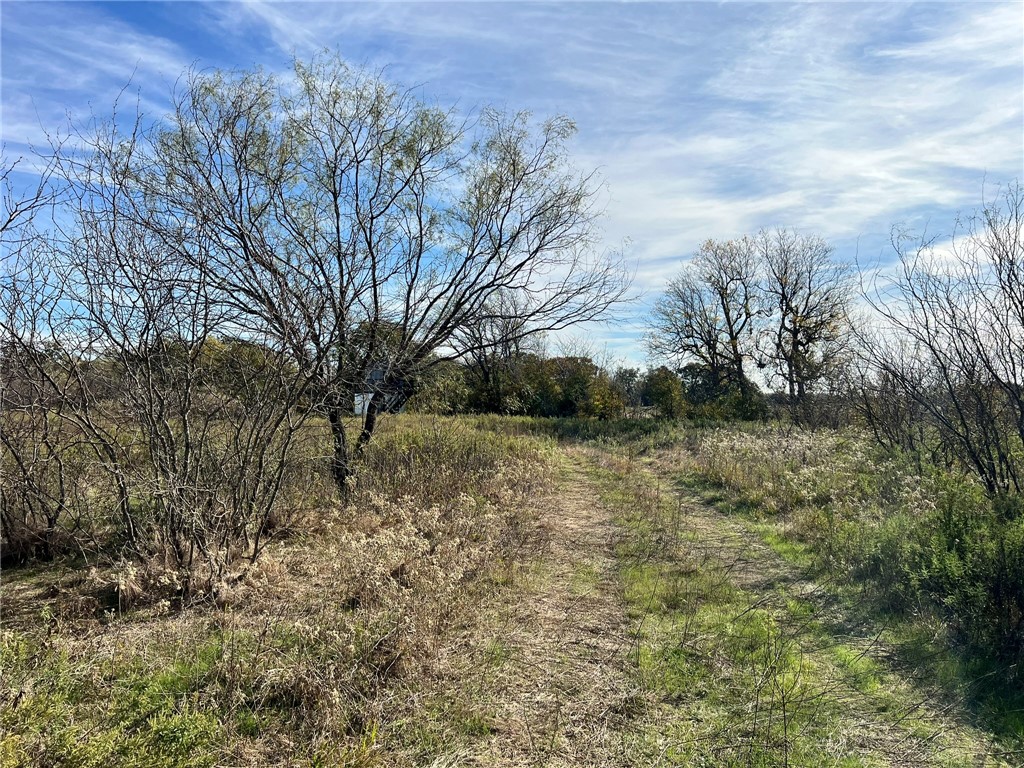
791, 550
745, 679
877, 535
82, 711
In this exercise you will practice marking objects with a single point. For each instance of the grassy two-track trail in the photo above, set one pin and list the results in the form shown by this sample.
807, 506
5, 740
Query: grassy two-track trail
497, 592
657, 630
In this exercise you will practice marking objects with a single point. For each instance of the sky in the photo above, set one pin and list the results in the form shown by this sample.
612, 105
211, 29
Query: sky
703, 120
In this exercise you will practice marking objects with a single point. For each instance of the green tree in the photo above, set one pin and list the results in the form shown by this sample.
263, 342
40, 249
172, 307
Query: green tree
664, 390
441, 389
605, 399
629, 382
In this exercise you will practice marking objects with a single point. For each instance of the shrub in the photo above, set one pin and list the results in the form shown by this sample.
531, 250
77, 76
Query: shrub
930, 542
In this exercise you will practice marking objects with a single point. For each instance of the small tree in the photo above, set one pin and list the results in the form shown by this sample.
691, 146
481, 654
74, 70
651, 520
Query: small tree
366, 229
943, 372
663, 389
605, 400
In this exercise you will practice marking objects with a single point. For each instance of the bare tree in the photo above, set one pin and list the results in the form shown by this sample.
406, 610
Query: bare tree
365, 229
20, 203
494, 344
38, 475
709, 312
807, 295
110, 327
896, 422
951, 346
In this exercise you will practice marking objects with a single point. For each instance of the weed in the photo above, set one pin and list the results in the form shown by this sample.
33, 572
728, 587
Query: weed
319, 653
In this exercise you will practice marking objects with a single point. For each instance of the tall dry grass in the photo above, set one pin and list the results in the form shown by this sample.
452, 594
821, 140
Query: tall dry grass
324, 652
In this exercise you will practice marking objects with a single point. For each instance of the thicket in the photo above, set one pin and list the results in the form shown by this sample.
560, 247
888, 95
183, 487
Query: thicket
570, 386
536, 385
940, 374
339, 649
225, 300
187, 454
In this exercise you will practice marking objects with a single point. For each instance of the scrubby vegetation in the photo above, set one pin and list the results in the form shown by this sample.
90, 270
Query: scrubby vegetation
326, 649
838, 584
221, 545
928, 550
876, 570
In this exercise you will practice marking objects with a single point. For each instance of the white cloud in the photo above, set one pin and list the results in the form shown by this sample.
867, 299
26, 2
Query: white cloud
808, 127
993, 37
64, 61
705, 120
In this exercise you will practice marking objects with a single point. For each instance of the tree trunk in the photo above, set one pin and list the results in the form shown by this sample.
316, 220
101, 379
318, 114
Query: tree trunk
370, 420
340, 460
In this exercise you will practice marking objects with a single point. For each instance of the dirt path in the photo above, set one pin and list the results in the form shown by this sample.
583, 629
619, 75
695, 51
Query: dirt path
557, 671
564, 694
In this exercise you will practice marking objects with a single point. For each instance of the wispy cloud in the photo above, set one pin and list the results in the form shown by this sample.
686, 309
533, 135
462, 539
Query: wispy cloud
66, 61
809, 126
704, 119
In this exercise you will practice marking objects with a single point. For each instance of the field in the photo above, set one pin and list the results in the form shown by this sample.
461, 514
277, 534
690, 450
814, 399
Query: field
512, 591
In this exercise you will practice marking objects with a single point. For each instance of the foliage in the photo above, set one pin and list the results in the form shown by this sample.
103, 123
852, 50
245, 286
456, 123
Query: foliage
441, 389
931, 542
663, 389
604, 399
536, 385
628, 381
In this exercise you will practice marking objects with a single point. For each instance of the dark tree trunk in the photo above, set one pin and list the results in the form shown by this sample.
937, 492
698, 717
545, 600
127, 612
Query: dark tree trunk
370, 420
340, 459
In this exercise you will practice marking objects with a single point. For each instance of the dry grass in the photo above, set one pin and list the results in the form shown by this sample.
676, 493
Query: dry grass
554, 674
476, 604
326, 652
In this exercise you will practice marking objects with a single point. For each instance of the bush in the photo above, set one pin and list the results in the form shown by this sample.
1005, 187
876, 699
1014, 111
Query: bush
342, 637
922, 542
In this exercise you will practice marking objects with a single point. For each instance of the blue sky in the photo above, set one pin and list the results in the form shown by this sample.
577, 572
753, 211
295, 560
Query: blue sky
705, 120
